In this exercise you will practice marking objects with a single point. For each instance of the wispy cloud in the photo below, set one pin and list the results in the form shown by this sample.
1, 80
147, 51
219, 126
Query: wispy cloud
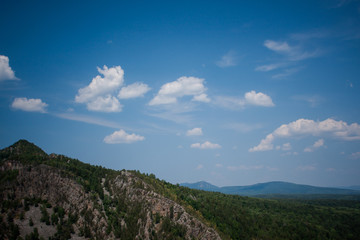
228, 60
314, 100
269, 67
286, 73
291, 54
205, 145
89, 120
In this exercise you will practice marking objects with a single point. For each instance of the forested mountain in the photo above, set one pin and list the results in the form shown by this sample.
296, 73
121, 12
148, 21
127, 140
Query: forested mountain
270, 188
55, 197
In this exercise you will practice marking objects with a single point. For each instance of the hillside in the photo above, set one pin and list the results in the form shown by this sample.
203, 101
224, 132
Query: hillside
55, 197
272, 188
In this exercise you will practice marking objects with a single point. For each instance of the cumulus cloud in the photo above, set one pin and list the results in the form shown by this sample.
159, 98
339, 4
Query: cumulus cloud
205, 145
122, 137
319, 143
183, 86
29, 105
306, 127
6, 73
112, 80
284, 147
228, 60
258, 99
201, 98
194, 132
250, 98
133, 91
105, 104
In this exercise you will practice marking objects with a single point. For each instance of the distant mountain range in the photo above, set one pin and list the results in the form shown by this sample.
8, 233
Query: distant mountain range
284, 188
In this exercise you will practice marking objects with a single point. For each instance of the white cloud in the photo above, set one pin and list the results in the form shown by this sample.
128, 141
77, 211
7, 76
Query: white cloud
269, 67
314, 100
183, 86
292, 53
228, 60
6, 73
250, 98
284, 147
194, 132
105, 104
100, 86
305, 127
205, 145
317, 144
29, 105
258, 99
286, 73
122, 137
201, 98
282, 47
88, 119
134, 90
218, 165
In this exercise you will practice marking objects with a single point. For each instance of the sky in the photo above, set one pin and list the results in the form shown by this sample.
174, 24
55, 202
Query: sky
229, 92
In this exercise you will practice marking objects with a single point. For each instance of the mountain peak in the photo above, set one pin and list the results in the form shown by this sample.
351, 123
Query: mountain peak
22, 149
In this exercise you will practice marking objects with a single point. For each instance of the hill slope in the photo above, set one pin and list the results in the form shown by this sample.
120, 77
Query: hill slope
60, 198
56, 197
270, 188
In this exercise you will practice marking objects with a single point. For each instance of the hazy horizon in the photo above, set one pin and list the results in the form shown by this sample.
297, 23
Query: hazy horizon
231, 93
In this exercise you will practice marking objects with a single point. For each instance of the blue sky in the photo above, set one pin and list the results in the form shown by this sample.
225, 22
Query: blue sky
233, 93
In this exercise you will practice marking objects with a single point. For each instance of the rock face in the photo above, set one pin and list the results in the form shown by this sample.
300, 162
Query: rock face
61, 198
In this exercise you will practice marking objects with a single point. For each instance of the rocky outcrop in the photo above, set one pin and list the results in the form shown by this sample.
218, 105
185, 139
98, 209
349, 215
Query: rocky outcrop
125, 194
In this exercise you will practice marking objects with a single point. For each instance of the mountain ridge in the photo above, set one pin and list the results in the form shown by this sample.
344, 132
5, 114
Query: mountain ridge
273, 187
57, 197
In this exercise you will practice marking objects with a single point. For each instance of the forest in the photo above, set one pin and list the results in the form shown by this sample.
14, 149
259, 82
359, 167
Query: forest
232, 216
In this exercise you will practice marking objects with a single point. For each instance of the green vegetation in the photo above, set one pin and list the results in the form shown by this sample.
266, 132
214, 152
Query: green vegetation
234, 217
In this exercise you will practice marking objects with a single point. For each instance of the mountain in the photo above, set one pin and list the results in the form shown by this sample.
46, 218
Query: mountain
283, 188
352, 187
57, 197
51, 196
202, 185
